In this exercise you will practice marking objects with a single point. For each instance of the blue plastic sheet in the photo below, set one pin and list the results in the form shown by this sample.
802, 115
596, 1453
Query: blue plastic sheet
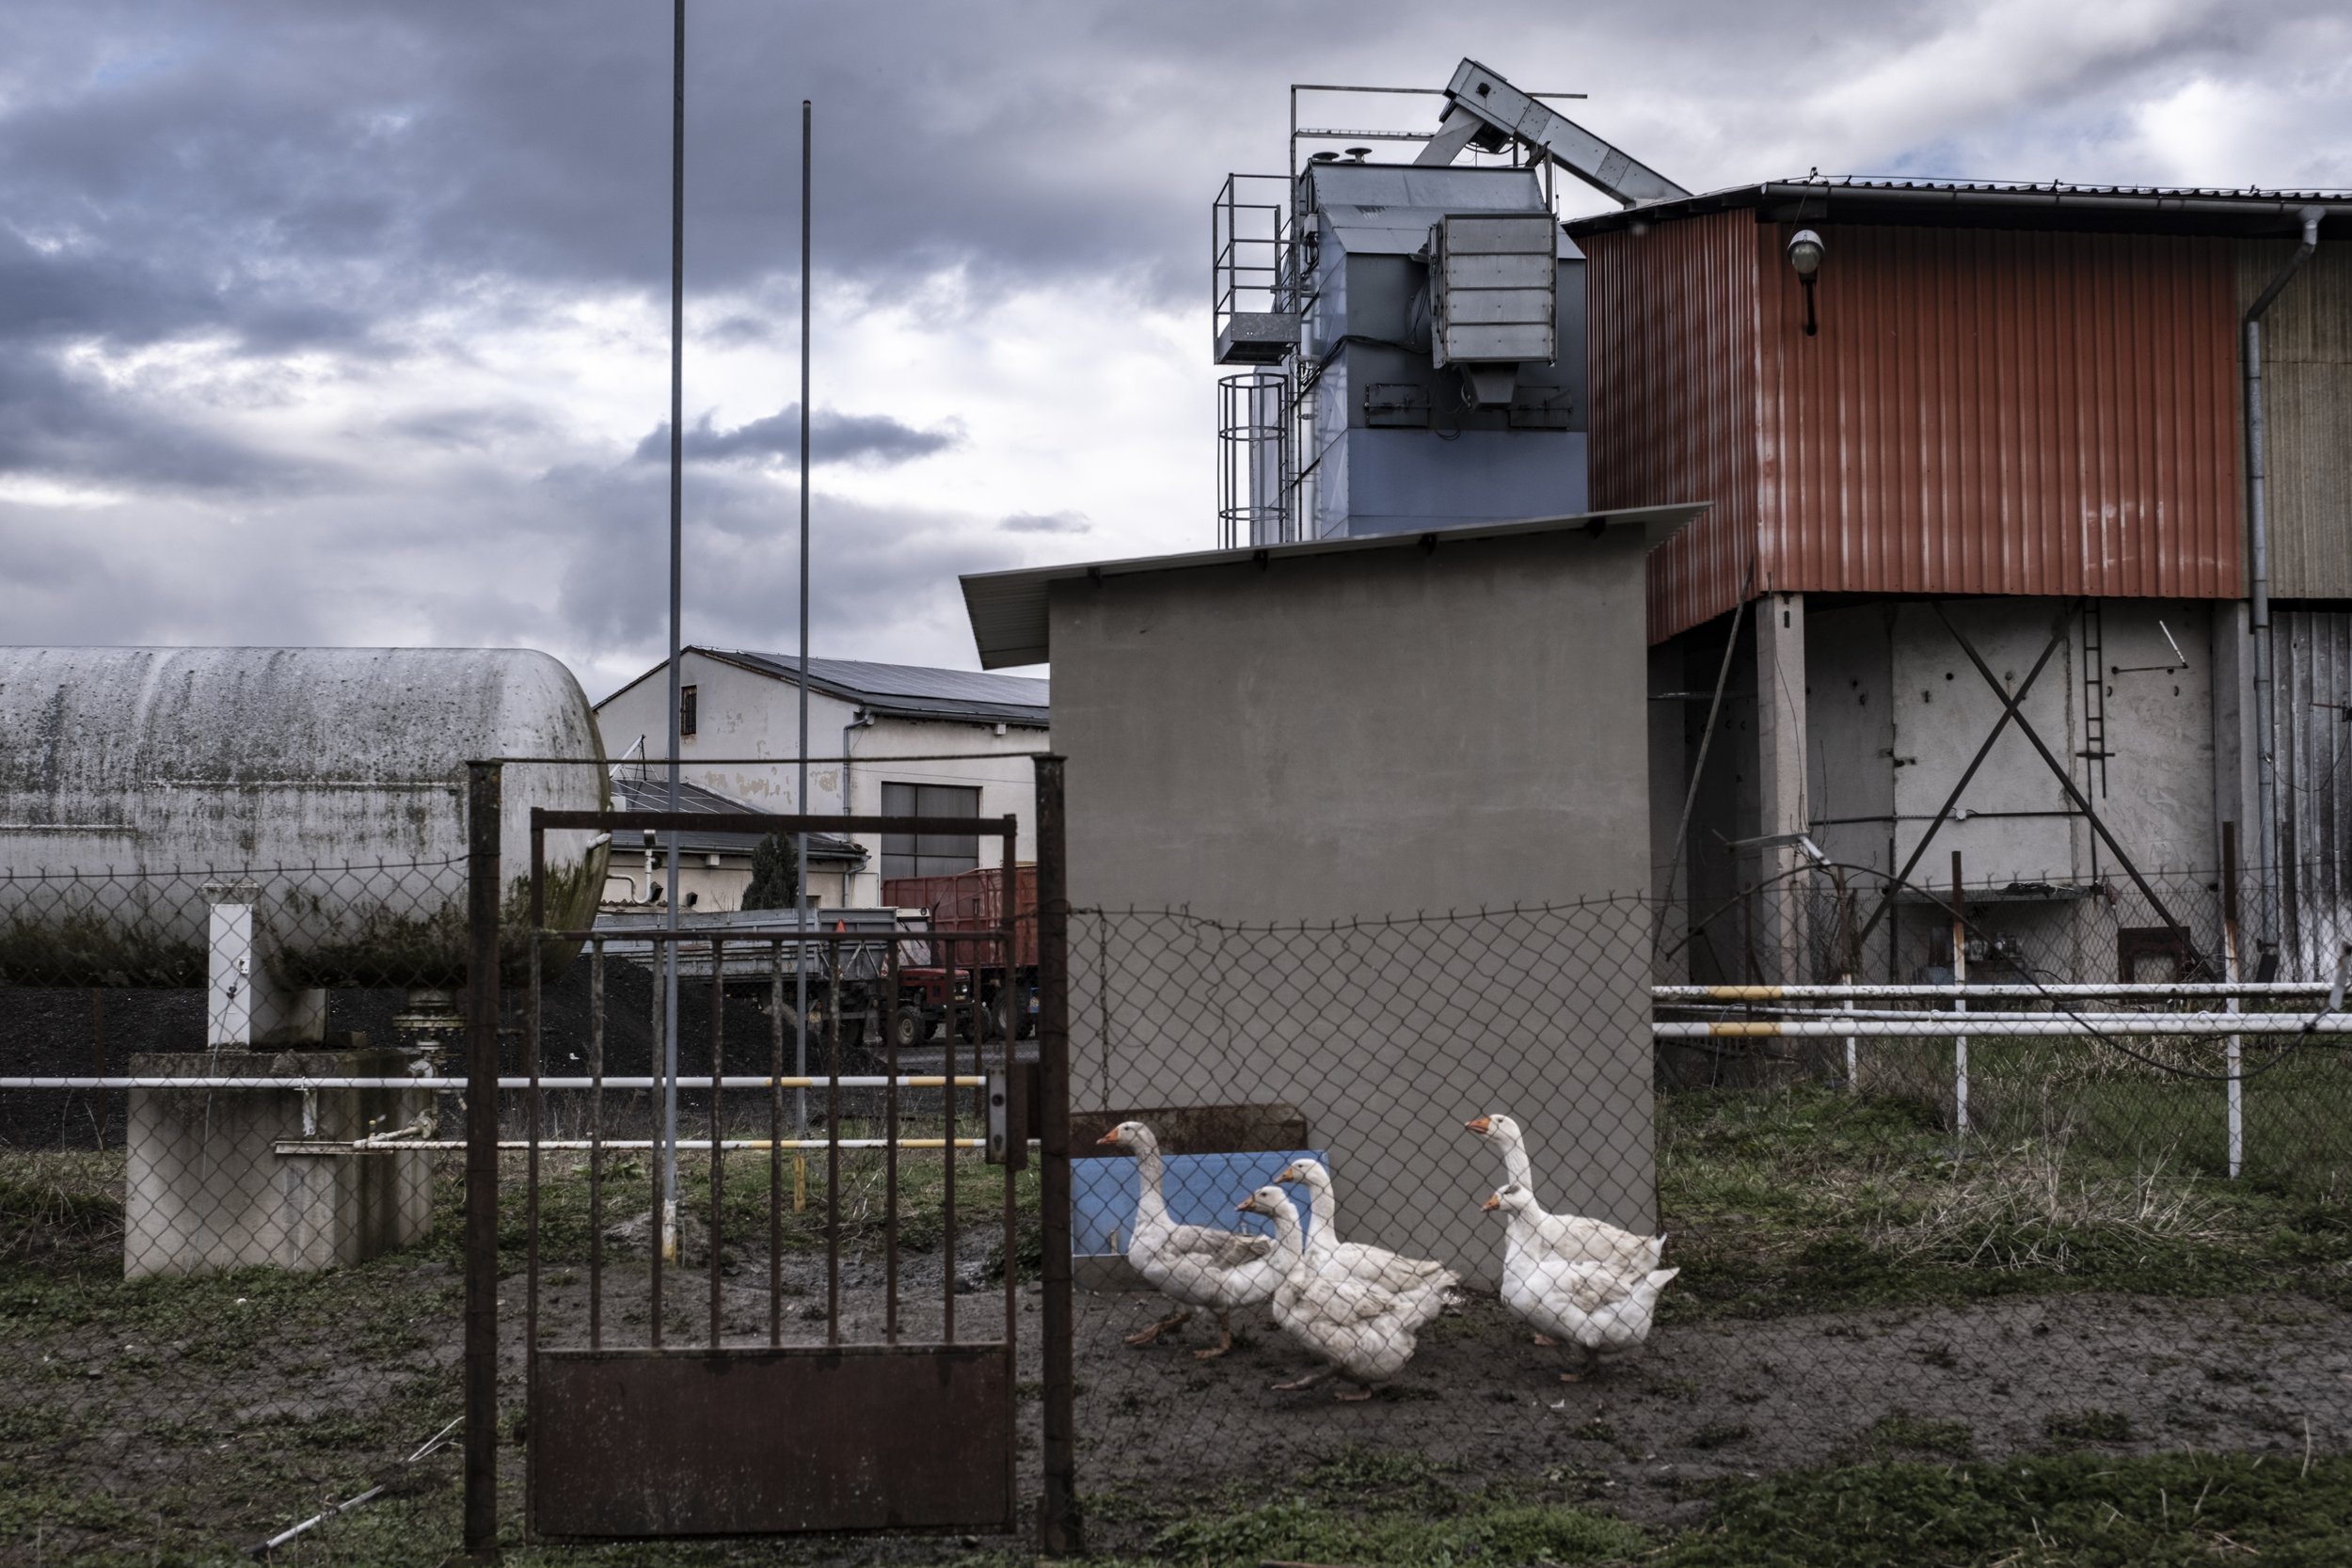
1200, 1189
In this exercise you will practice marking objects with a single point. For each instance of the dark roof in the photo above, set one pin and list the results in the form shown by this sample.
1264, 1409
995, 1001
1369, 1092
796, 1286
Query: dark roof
912, 690
898, 690
1007, 610
634, 791
2001, 204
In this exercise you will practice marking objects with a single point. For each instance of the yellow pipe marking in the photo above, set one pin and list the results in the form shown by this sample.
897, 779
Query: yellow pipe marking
1744, 1031
1743, 994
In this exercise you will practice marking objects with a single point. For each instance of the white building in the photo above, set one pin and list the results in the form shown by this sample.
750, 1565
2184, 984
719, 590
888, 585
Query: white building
917, 741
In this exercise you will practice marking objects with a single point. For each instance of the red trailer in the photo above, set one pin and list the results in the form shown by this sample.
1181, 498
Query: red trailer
974, 902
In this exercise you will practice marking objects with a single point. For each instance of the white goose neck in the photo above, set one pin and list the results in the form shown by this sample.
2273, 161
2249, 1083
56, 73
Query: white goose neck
1151, 1204
1323, 1239
1287, 1240
1516, 1165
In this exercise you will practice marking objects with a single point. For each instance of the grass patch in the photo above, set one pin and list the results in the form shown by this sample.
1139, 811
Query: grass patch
744, 1186
2079, 1178
2068, 1511
1367, 1507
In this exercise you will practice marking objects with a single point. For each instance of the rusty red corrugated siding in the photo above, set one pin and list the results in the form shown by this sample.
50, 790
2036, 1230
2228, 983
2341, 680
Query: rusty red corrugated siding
1671, 325
1983, 411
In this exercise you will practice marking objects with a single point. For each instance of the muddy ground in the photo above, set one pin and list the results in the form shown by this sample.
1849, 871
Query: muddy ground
1644, 1437
234, 1440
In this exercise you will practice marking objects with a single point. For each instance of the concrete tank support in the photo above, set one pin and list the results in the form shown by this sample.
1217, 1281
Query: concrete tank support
205, 1188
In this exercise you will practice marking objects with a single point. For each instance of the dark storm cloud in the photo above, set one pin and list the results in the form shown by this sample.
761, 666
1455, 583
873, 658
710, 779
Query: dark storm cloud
882, 576
62, 427
874, 439
363, 197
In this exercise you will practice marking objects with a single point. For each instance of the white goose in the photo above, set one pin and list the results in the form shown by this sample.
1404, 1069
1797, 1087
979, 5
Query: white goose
1590, 1305
1423, 1284
1365, 1332
1191, 1264
1571, 1238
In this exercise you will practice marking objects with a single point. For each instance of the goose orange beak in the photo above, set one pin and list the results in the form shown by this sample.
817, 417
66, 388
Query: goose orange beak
1480, 1126
1109, 1138
1491, 1204
1242, 1208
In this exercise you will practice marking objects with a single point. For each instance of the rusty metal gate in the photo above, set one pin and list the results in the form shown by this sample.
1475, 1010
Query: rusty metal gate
765, 1291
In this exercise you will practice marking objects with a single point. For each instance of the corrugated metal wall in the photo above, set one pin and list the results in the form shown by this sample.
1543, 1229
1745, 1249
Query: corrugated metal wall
1983, 411
1993, 411
2312, 659
1670, 325
2307, 404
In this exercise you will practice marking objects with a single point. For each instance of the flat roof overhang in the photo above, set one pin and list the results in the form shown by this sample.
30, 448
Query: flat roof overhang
1007, 610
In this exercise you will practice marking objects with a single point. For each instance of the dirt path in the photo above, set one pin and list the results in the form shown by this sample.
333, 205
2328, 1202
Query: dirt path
1648, 1436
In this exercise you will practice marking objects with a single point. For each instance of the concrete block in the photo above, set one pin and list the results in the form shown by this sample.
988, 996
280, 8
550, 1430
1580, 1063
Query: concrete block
204, 1187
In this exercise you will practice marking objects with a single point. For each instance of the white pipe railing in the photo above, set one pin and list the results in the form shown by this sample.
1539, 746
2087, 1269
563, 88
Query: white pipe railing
688, 1082
1999, 992
1928, 1026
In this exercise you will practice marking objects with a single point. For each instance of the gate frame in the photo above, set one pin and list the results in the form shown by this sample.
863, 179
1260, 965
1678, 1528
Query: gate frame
1057, 1513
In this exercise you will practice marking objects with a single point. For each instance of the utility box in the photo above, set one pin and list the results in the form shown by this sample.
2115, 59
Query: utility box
1494, 297
206, 1186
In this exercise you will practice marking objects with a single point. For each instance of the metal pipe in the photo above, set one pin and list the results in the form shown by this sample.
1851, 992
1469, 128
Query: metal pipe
484, 782
666, 1211
1930, 1026
2236, 1108
1671, 994
732, 1081
313, 1146
2266, 847
1062, 1527
799, 798
1960, 1005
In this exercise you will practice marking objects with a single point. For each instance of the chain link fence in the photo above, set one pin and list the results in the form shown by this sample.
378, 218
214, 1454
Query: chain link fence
222, 1313
222, 1317
2109, 1221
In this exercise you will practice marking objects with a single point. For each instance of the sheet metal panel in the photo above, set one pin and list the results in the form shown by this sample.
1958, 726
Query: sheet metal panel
2312, 656
1982, 411
636, 1443
1989, 411
1671, 325
2307, 404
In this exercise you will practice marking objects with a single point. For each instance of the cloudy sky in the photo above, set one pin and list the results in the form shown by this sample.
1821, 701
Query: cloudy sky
349, 323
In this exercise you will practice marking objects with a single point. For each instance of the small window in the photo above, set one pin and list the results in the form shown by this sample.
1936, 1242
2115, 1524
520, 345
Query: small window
930, 854
685, 711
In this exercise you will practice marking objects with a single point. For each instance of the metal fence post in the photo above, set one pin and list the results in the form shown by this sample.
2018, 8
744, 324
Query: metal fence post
482, 804
1060, 1530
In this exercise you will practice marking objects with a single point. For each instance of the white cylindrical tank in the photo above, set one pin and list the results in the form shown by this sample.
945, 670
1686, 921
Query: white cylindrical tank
330, 783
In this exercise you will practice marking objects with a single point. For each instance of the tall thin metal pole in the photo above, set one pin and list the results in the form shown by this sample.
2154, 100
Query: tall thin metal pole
482, 806
1062, 1527
678, 569
800, 898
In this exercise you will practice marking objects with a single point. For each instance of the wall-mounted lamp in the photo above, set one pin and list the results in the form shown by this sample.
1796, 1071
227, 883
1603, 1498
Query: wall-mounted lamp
1804, 255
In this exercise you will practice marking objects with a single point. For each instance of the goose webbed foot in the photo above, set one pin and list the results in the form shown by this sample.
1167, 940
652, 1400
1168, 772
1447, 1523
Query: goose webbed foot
1225, 1340
1353, 1394
1543, 1341
1297, 1383
1144, 1337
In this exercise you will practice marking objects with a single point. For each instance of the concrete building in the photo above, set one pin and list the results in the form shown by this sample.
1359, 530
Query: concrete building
883, 738
1995, 425
1341, 731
